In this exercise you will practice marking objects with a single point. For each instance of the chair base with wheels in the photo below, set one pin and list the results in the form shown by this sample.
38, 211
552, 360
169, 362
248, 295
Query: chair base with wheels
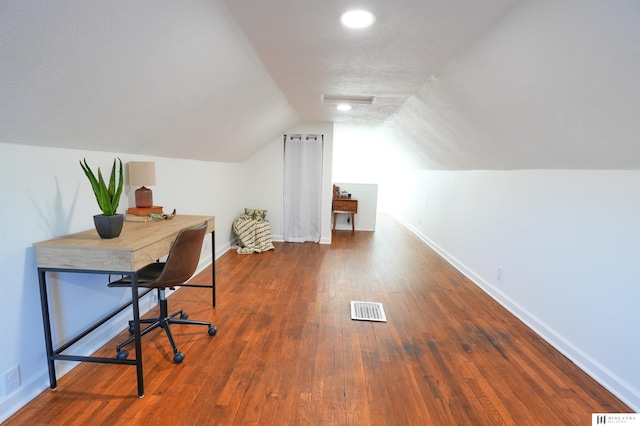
180, 265
164, 321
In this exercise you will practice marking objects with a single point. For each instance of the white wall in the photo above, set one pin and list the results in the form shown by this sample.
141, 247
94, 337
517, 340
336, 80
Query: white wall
44, 195
368, 156
569, 245
262, 185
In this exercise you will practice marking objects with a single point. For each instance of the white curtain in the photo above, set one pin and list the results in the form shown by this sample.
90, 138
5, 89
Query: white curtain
302, 187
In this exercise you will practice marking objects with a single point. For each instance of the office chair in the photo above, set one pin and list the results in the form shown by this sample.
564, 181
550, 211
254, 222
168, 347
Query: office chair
180, 265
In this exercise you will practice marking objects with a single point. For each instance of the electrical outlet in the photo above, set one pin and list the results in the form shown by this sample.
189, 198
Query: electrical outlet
11, 380
500, 274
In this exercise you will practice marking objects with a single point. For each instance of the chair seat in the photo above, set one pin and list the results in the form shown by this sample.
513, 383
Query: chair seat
145, 275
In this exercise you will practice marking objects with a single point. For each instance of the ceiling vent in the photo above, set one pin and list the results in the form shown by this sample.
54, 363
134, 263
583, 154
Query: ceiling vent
347, 99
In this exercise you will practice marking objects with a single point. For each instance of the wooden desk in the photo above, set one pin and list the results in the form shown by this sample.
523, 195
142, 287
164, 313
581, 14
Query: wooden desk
345, 205
139, 244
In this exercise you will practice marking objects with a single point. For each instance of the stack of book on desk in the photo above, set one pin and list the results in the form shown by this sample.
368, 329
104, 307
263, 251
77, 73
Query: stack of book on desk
141, 214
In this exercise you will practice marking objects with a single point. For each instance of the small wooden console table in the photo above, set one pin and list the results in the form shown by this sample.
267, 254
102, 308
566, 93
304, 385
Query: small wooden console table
345, 205
140, 244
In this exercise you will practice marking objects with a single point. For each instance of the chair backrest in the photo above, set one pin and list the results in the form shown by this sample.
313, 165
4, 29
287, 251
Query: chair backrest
183, 257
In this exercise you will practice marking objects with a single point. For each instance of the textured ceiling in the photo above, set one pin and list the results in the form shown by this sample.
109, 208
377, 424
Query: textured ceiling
501, 84
458, 84
309, 53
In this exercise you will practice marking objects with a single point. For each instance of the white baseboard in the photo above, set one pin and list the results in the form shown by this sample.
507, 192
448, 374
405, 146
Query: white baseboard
612, 382
280, 239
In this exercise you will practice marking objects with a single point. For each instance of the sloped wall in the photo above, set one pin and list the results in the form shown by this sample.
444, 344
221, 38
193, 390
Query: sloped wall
170, 79
554, 85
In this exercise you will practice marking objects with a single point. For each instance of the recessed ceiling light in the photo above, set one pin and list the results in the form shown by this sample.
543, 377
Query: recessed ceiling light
357, 19
344, 107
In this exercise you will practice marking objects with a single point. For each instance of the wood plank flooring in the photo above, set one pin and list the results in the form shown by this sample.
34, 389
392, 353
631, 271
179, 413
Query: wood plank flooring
287, 352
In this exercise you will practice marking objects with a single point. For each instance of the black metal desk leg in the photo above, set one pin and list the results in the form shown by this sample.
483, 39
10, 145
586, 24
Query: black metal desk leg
136, 332
213, 268
46, 322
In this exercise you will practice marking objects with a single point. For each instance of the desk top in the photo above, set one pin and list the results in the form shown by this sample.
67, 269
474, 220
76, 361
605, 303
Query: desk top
139, 244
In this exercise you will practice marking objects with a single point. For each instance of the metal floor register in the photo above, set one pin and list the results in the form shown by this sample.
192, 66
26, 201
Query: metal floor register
367, 311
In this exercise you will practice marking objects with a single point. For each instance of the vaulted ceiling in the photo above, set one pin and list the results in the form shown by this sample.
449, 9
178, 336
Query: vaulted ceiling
458, 84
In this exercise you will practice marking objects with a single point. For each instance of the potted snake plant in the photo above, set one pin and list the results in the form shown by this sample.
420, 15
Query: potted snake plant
109, 223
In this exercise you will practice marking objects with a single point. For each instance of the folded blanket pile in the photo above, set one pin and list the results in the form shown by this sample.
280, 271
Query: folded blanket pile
254, 236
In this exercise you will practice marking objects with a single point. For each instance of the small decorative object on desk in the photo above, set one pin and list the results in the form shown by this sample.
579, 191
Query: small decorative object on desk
156, 216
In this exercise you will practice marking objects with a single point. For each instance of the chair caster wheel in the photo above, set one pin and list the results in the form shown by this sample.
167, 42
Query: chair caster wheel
212, 331
132, 329
178, 357
184, 315
122, 354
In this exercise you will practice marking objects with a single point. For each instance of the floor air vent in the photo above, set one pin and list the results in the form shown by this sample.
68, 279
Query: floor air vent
367, 311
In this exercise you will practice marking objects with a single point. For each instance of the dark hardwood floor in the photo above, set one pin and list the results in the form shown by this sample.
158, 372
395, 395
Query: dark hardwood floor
287, 352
